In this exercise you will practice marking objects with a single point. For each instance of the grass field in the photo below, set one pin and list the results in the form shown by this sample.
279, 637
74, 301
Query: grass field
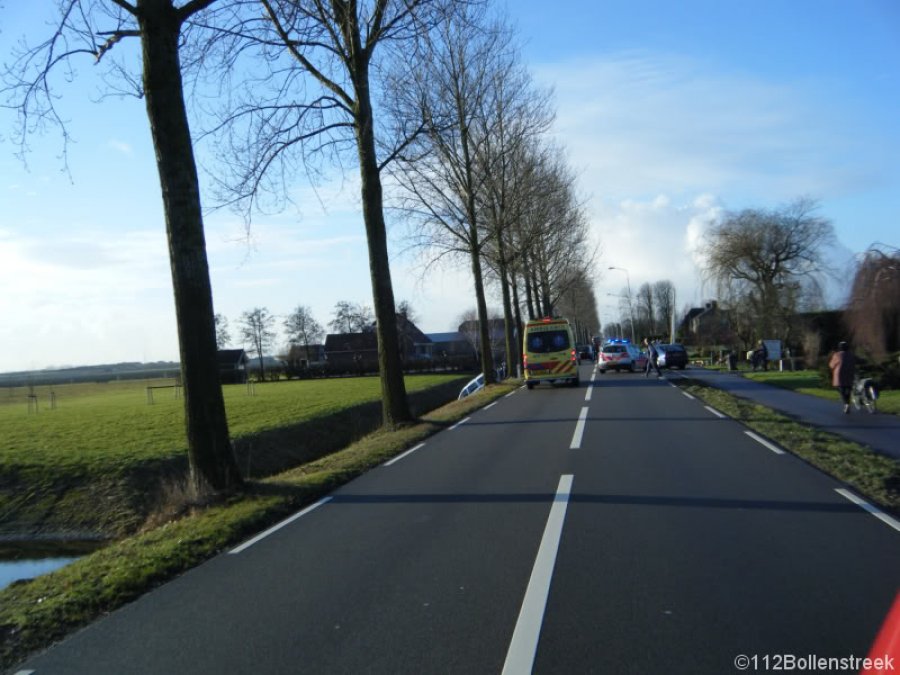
111, 424
99, 461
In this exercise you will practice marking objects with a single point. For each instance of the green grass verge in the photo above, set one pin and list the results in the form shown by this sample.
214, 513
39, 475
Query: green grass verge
36, 613
808, 382
872, 475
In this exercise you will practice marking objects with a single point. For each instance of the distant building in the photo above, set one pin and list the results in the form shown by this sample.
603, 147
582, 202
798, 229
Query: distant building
302, 356
232, 366
448, 344
354, 352
496, 334
358, 352
709, 324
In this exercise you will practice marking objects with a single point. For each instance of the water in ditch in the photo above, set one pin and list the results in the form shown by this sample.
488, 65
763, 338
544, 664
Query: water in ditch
22, 560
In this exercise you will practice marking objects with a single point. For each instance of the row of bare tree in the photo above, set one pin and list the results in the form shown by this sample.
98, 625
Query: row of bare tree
430, 90
482, 184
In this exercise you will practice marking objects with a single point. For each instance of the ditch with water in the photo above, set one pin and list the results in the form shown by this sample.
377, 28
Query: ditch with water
26, 559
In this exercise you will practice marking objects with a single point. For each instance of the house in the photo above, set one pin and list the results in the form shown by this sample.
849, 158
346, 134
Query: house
232, 366
358, 352
709, 324
303, 356
352, 352
448, 344
414, 344
496, 333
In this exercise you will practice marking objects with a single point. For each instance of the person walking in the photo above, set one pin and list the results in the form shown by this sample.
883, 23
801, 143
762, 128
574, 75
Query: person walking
652, 358
843, 370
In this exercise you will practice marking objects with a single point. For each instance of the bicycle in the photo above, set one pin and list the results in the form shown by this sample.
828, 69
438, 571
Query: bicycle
864, 394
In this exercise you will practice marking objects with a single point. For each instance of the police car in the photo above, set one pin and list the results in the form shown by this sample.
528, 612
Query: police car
615, 354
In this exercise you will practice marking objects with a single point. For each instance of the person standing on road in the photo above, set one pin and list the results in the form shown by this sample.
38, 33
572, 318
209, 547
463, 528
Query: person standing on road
652, 358
843, 370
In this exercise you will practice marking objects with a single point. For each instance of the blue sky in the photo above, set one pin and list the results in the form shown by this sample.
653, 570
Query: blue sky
671, 112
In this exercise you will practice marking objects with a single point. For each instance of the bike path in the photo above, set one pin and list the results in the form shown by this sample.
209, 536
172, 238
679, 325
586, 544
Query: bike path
879, 432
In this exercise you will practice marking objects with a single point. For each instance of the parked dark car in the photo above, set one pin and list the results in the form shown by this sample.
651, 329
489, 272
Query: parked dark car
672, 356
586, 352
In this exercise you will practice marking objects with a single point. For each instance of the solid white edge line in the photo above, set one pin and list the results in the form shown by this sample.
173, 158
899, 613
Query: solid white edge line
762, 441
460, 423
524, 643
399, 457
715, 412
866, 506
579, 429
689, 395
275, 528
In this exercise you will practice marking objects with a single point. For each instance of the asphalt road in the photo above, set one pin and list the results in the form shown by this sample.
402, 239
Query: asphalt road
619, 527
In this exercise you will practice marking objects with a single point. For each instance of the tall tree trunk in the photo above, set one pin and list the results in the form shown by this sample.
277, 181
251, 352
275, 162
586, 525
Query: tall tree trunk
484, 329
528, 297
393, 389
508, 319
520, 326
212, 463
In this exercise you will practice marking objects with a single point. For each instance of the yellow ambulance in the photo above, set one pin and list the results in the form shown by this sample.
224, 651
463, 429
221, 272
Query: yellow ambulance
548, 352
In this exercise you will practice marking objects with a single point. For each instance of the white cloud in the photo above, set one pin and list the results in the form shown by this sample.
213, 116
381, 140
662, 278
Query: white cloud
89, 297
664, 143
121, 146
653, 240
639, 124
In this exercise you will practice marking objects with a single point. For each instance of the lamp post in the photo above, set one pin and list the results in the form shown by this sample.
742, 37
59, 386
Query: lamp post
630, 308
672, 335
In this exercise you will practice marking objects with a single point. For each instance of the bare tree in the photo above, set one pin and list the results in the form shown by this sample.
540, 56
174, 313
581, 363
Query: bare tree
91, 30
406, 310
560, 251
311, 96
523, 113
257, 329
769, 254
664, 299
440, 170
645, 306
873, 312
352, 318
302, 328
579, 304
343, 317
223, 337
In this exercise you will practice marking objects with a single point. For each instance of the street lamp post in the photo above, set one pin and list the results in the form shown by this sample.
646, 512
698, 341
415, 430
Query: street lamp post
672, 332
630, 308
